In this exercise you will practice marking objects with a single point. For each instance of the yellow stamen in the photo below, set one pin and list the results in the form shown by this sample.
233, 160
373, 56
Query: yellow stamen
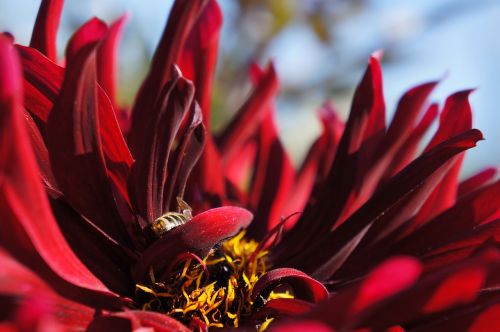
221, 298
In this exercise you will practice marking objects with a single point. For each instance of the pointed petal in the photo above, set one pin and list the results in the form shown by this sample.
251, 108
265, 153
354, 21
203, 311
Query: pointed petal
89, 33
249, 116
199, 56
107, 59
272, 180
366, 108
388, 200
45, 30
401, 127
408, 149
197, 236
181, 20
455, 119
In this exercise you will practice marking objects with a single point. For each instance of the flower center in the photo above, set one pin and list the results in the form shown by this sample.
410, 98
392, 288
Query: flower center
216, 290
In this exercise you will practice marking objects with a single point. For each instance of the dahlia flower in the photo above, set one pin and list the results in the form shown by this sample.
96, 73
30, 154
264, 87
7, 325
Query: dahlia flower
153, 222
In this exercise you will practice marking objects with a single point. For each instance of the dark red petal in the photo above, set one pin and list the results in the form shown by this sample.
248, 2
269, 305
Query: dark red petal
107, 60
387, 279
303, 325
458, 248
89, 33
450, 287
181, 20
75, 148
133, 320
409, 107
207, 188
455, 119
106, 259
272, 179
42, 84
486, 319
249, 116
304, 287
184, 158
199, 56
285, 308
149, 173
462, 218
408, 150
197, 236
476, 181
45, 30
41, 154
332, 197
29, 231
391, 202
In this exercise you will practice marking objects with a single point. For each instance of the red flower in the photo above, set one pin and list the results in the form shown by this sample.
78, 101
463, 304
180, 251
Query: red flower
114, 246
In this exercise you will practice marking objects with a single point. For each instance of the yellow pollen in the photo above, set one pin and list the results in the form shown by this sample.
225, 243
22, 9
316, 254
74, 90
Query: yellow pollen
221, 298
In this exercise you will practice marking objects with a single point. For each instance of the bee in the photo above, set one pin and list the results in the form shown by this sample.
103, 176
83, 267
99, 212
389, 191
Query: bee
171, 220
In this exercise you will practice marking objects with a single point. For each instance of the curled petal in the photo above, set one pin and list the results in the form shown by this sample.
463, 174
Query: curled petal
304, 287
199, 236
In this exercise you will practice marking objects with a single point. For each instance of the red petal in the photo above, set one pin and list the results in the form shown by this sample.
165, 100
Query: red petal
42, 83
304, 287
89, 33
455, 119
367, 107
184, 158
149, 172
463, 217
107, 59
75, 148
387, 279
407, 151
400, 129
476, 181
285, 307
181, 20
25, 287
29, 231
450, 287
486, 319
197, 236
272, 180
387, 204
303, 325
199, 56
46, 25
249, 116
135, 321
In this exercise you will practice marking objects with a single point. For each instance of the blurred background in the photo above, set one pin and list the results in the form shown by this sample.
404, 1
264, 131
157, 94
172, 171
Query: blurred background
320, 49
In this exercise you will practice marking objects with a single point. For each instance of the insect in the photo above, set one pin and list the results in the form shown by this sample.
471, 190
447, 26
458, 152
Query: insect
171, 220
